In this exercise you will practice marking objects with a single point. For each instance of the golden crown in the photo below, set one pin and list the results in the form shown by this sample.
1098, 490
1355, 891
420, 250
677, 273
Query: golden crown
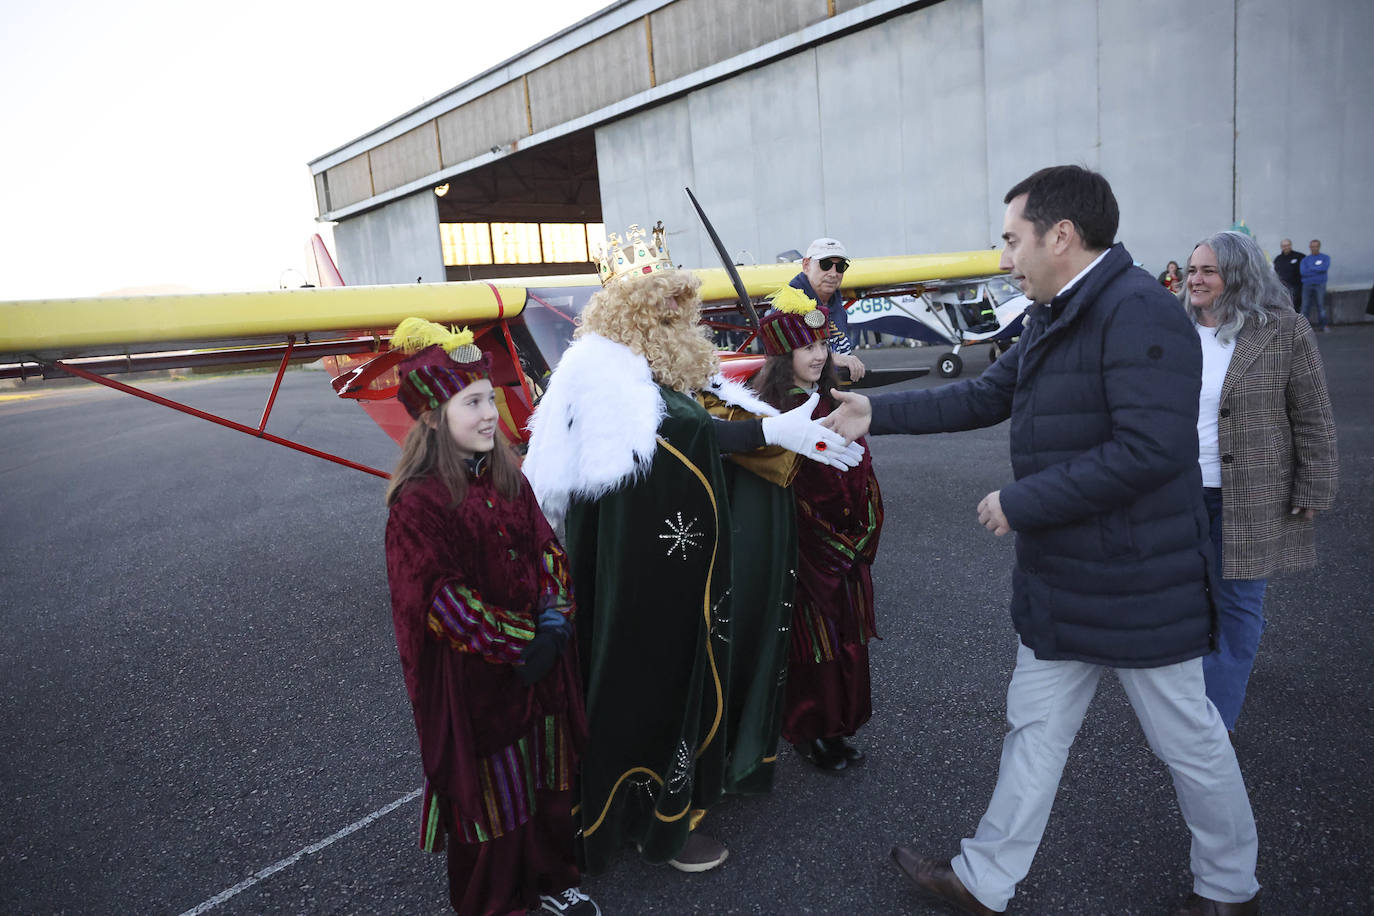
635, 256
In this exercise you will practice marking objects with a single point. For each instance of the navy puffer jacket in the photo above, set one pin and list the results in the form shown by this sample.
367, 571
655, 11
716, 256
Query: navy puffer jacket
1111, 533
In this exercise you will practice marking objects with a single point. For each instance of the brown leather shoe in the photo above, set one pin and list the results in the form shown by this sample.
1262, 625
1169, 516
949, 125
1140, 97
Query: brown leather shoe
935, 879
1203, 906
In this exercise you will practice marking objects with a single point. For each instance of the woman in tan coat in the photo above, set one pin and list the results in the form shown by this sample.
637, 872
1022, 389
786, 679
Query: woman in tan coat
1267, 444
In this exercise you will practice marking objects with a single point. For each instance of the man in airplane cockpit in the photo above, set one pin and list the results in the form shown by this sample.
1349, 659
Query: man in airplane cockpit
822, 269
1111, 541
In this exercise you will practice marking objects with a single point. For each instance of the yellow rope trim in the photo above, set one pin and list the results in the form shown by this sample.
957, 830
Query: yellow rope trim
706, 597
715, 675
666, 818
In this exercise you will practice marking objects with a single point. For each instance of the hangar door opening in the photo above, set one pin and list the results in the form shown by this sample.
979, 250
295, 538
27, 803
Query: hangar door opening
536, 212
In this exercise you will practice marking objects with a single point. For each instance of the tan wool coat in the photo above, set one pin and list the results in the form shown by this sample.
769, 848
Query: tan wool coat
1277, 440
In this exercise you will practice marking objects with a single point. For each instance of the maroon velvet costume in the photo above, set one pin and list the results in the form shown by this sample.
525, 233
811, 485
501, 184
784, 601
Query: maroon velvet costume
468, 583
839, 519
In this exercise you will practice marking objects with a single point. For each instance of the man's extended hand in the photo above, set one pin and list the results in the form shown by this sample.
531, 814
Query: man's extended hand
797, 432
850, 362
990, 514
852, 417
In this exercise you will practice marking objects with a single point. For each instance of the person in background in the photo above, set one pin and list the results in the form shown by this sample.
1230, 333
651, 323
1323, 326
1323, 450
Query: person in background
1267, 445
1171, 279
822, 270
1287, 265
1314, 269
483, 612
839, 520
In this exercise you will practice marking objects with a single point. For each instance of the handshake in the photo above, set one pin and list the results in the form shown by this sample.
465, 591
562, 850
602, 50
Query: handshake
797, 432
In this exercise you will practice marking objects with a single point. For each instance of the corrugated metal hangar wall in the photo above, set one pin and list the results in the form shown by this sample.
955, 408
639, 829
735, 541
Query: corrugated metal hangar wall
899, 129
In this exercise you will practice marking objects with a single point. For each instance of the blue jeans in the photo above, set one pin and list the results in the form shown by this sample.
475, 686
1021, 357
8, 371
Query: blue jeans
1314, 304
1240, 621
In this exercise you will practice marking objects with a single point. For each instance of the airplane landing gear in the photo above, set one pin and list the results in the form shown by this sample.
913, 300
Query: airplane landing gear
950, 365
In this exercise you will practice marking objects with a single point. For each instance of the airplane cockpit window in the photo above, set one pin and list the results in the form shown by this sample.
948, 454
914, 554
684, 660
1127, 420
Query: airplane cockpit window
550, 315
1002, 290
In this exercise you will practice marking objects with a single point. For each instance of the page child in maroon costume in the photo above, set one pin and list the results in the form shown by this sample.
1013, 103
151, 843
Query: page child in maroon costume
839, 519
483, 612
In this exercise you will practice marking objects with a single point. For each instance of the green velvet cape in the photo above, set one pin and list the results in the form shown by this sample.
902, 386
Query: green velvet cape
651, 575
764, 576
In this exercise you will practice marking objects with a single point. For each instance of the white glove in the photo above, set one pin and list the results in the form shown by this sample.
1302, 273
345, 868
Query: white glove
797, 432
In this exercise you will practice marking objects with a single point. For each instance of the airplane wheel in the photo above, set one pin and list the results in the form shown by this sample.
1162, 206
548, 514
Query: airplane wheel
993, 353
950, 365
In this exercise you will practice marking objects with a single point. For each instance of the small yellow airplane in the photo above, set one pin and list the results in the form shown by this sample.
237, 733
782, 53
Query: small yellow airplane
525, 324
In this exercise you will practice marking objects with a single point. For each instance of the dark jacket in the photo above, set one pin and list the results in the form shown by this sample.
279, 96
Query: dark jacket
1111, 533
839, 318
1287, 267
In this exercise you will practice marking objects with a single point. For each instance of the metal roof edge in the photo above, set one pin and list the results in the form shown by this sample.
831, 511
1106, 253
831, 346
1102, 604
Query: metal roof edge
610, 18
778, 48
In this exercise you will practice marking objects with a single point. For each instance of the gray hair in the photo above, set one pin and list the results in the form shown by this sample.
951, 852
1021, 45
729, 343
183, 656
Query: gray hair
1251, 289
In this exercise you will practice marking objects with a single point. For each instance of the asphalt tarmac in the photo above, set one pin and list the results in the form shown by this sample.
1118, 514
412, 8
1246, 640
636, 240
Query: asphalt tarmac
201, 693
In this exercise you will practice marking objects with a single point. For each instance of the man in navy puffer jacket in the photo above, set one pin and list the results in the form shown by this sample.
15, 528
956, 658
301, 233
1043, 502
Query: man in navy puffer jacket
1111, 539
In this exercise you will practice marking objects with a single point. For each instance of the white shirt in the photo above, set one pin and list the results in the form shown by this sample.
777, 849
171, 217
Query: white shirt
1216, 359
1079, 276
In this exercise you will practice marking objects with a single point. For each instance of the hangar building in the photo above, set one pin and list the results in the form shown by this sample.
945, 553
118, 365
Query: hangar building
894, 126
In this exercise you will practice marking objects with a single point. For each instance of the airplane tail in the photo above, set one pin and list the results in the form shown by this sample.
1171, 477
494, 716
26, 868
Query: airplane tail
319, 265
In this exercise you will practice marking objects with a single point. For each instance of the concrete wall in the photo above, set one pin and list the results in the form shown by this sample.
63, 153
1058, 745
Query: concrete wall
394, 243
904, 136
1305, 131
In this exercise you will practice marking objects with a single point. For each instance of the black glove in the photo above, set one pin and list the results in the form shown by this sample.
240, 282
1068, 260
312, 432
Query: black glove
539, 655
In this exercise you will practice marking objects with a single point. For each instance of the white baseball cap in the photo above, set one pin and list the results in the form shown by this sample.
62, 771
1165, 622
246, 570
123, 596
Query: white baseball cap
827, 248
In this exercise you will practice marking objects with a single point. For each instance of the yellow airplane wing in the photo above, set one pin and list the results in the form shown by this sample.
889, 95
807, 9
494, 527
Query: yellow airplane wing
48, 329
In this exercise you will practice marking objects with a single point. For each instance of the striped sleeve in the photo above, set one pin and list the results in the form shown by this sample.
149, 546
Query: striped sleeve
839, 340
459, 615
555, 591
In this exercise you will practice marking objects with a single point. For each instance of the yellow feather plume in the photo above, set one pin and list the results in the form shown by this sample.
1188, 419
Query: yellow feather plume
414, 334
792, 300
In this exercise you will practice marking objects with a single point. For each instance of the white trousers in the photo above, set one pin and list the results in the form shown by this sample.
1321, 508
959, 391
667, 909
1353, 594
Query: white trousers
1046, 702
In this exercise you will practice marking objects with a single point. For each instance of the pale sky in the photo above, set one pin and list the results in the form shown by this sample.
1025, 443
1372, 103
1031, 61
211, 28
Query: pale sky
161, 142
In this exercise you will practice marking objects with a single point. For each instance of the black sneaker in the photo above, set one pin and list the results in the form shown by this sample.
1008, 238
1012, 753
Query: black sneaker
571, 902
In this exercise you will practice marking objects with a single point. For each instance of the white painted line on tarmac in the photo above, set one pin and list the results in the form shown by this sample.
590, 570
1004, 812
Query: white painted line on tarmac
290, 860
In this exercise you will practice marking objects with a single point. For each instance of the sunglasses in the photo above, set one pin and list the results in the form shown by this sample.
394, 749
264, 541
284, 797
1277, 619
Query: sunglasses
839, 265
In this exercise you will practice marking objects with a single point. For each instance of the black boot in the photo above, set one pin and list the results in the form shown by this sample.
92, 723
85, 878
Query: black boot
838, 747
819, 754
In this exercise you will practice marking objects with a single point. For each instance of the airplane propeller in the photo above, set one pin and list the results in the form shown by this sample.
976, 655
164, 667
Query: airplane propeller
746, 305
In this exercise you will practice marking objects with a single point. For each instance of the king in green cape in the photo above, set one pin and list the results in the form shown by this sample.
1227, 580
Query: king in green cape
624, 453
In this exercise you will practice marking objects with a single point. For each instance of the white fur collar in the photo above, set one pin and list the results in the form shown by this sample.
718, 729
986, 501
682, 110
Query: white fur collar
595, 427
740, 395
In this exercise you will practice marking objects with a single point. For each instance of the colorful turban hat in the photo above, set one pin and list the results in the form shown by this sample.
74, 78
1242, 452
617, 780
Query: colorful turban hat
442, 362
794, 321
